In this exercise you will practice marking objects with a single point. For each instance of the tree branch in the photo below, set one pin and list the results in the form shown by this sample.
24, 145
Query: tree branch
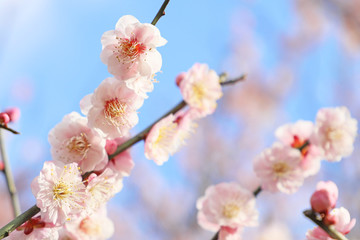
9, 178
160, 13
9, 129
328, 229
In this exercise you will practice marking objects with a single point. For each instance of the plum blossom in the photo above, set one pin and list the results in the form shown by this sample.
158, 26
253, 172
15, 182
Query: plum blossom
4, 119
94, 227
227, 233
279, 169
200, 88
167, 136
35, 229
298, 135
112, 108
140, 85
130, 49
60, 192
14, 113
123, 162
335, 132
342, 223
227, 205
325, 197
73, 141
103, 187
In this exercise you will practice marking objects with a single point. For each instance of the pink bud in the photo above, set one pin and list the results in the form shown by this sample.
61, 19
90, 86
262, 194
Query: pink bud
4, 118
14, 113
179, 78
325, 197
111, 146
2, 166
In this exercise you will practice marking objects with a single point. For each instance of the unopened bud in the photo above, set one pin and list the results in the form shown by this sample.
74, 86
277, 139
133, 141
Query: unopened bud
179, 78
14, 113
4, 118
110, 146
325, 197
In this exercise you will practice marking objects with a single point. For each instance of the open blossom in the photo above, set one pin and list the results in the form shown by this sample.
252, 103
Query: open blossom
227, 205
325, 197
343, 224
335, 132
112, 108
60, 193
200, 88
94, 227
140, 85
167, 136
73, 141
123, 162
131, 48
298, 135
103, 187
35, 229
279, 169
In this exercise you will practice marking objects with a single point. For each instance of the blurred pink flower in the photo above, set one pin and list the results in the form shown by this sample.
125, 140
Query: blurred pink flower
123, 162
279, 169
200, 88
60, 193
297, 135
335, 132
343, 224
131, 48
4, 118
227, 233
325, 197
73, 141
112, 108
227, 205
14, 113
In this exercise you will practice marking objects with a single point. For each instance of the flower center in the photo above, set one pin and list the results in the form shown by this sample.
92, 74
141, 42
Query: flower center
230, 210
280, 168
79, 144
128, 50
301, 144
115, 112
61, 190
335, 134
165, 138
89, 227
199, 92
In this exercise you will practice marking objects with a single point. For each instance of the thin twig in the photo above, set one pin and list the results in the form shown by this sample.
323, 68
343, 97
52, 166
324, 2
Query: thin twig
328, 229
160, 13
9, 129
9, 178
34, 210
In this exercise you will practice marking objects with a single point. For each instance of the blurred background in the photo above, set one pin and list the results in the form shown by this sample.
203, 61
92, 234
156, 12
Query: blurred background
299, 56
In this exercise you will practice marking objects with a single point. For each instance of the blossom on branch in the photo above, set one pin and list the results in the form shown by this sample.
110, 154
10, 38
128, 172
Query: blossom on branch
73, 141
228, 206
325, 197
60, 192
112, 108
121, 163
130, 49
335, 132
279, 169
200, 88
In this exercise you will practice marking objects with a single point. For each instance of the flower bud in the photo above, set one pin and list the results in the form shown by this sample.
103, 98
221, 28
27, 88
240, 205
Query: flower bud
179, 78
110, 146
325, 197
4, 118
14, 114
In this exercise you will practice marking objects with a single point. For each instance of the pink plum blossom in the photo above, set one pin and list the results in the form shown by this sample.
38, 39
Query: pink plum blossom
343, 224
298, 135
200, 88
325, 197
167, 136
335, 132
60, 193
278, 169
112, 108
227, 233
35, 229
73, 141
103, 187
4, 119
14, 113
140, 85
227, 205
94, 227
123, 162
130, 49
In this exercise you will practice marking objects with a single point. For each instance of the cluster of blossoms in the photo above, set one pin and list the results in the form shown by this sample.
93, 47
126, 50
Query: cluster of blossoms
72, 190
323, 202
227, 207
9, 115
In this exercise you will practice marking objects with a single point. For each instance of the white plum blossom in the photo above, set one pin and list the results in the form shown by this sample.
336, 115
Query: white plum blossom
60, 192
130, 49
200, 88
112, 108
94, 227
297, 135
335, 132
227, 205
278, 169
140, 85
73, 141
